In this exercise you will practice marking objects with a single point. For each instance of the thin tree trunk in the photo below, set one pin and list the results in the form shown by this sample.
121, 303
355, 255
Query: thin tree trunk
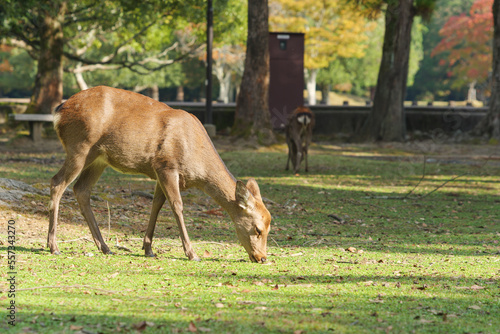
386, 121
311, 86
48, 90
325, 94
180, 94
155, 92
490, 125
224, 79
82, 84
252, 115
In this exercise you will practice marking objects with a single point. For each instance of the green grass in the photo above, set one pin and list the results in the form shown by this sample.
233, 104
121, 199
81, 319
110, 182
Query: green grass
351, 250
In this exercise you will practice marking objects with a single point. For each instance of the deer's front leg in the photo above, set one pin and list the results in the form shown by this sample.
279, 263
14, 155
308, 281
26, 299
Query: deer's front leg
66, 175
290, 148
158, 200
298, 156
169, 181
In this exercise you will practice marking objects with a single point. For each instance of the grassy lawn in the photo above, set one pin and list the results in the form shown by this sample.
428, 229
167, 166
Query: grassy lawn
371, 240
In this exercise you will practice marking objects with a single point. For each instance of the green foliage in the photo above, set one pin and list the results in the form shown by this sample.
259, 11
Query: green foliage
361, 73
17, 70
432, 80
331, 30
141, 37
467, 43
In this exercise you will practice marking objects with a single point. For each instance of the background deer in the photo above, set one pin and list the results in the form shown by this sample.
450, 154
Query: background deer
298, 132
132, 133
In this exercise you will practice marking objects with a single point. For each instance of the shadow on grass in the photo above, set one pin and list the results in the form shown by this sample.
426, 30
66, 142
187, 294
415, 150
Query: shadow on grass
286, 309
457, 225
459, 222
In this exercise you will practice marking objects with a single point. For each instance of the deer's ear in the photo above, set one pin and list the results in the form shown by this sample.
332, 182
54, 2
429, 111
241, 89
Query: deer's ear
254, 189
244, 197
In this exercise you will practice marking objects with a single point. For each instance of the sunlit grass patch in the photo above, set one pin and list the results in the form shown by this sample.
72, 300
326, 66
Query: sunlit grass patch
366, 242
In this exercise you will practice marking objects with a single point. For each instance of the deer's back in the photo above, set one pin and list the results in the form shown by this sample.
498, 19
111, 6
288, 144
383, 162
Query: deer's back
133, 133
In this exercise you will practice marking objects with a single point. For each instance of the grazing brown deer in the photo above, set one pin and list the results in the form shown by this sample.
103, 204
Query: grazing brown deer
298, 132
103, 126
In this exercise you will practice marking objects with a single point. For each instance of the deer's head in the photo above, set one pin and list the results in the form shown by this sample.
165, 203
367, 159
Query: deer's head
252, 220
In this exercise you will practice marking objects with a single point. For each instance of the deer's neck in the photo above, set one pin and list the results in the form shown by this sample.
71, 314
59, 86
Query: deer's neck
221, 186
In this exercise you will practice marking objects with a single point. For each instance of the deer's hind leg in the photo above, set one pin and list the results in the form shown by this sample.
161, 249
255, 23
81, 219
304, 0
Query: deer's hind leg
82, 189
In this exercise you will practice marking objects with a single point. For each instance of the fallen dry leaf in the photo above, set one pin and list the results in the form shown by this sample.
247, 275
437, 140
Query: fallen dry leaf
75, 328
192, 328
297, 254
425, 321
474, 307
376, 300
207, 254
473, 287
140, 326
351, 249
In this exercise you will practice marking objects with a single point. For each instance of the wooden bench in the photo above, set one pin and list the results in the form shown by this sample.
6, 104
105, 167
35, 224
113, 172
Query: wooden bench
35, 122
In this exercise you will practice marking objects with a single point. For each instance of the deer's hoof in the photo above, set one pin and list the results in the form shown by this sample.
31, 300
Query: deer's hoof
150, 255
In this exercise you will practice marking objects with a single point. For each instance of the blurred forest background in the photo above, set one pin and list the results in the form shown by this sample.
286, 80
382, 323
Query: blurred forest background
123, 44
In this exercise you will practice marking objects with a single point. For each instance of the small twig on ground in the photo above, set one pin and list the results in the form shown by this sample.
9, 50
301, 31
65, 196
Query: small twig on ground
443, 184
454, 178
275, 242
432, 191
419, 181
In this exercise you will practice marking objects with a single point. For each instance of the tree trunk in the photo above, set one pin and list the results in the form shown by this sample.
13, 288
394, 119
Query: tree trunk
252, 115
155, 92
180, 94
48, 90
224, 79
386, 121
325, 94
490, 125
82, 84
311, 86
